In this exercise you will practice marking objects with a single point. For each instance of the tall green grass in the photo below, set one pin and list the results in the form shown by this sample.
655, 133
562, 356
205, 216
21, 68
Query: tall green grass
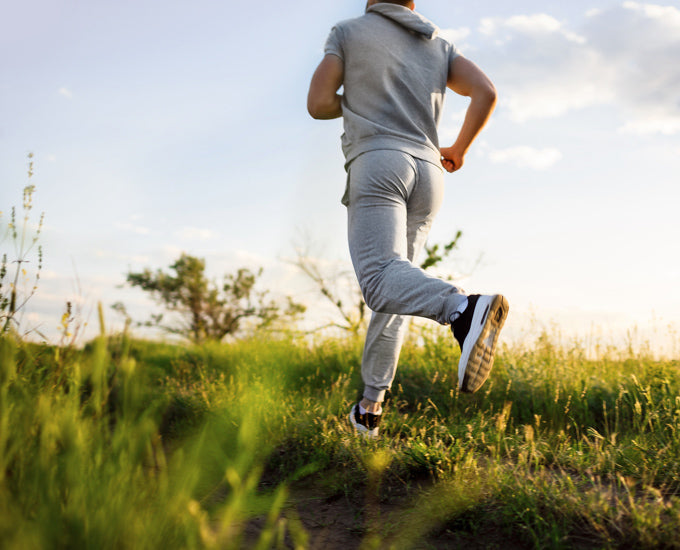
100, 454
134, 444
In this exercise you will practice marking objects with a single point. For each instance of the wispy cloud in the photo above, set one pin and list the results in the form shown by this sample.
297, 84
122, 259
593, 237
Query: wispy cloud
65, 92
526, 157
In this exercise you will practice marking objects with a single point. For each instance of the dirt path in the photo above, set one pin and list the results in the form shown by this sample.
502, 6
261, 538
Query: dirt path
341, 522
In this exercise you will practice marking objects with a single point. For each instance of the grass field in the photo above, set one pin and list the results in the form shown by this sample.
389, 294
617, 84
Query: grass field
137, 444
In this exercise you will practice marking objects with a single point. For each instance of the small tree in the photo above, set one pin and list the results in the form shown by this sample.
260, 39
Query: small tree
433, 257
208, 311
347, 299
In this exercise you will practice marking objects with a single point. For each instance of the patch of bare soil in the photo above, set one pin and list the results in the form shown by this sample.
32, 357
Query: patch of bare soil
345, 522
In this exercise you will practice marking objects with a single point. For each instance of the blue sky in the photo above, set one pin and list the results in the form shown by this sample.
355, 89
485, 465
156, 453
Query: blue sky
161, 127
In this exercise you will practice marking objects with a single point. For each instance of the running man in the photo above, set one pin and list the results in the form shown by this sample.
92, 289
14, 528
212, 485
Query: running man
394, 70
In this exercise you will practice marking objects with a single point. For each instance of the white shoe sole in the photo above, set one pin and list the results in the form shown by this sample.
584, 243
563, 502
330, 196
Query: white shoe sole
361, 429
476, 358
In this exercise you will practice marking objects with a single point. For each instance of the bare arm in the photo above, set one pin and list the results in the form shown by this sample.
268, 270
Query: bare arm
466, 79
323, 101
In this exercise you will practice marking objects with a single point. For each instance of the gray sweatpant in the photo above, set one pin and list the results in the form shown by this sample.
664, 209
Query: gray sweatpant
392, 199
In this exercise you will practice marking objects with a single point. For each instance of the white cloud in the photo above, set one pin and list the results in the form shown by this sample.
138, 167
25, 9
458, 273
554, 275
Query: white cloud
653, 125
108, 254
138, 229
526, 157
64, 92
195, 234
625, 56
539, 23
552, 98
49, 274
250, 259
667, 14
458, 116
455, 35
641, 42
536, 25
171, 252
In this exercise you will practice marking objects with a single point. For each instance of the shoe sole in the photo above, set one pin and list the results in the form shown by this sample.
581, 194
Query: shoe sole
476, 359
361, 429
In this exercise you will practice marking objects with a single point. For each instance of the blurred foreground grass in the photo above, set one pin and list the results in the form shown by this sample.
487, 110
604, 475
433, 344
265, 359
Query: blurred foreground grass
137, 444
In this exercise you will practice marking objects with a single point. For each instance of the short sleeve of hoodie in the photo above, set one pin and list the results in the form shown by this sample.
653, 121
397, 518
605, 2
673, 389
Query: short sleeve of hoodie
334, 43
453, 52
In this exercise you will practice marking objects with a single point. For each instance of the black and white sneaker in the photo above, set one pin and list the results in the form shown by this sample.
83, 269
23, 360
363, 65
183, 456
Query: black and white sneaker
477, 331
365, 424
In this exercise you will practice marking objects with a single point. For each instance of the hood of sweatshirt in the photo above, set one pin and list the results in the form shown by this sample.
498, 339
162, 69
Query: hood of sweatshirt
406, 18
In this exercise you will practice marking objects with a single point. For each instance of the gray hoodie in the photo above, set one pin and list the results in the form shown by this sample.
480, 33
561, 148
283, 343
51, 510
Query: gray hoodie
396, 68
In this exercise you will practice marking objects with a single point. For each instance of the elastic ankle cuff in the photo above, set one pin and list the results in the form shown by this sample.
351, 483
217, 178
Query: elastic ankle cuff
452, 304
374, 394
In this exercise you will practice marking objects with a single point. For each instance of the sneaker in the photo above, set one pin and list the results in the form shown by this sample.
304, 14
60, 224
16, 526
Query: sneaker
365, 424
477, 331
